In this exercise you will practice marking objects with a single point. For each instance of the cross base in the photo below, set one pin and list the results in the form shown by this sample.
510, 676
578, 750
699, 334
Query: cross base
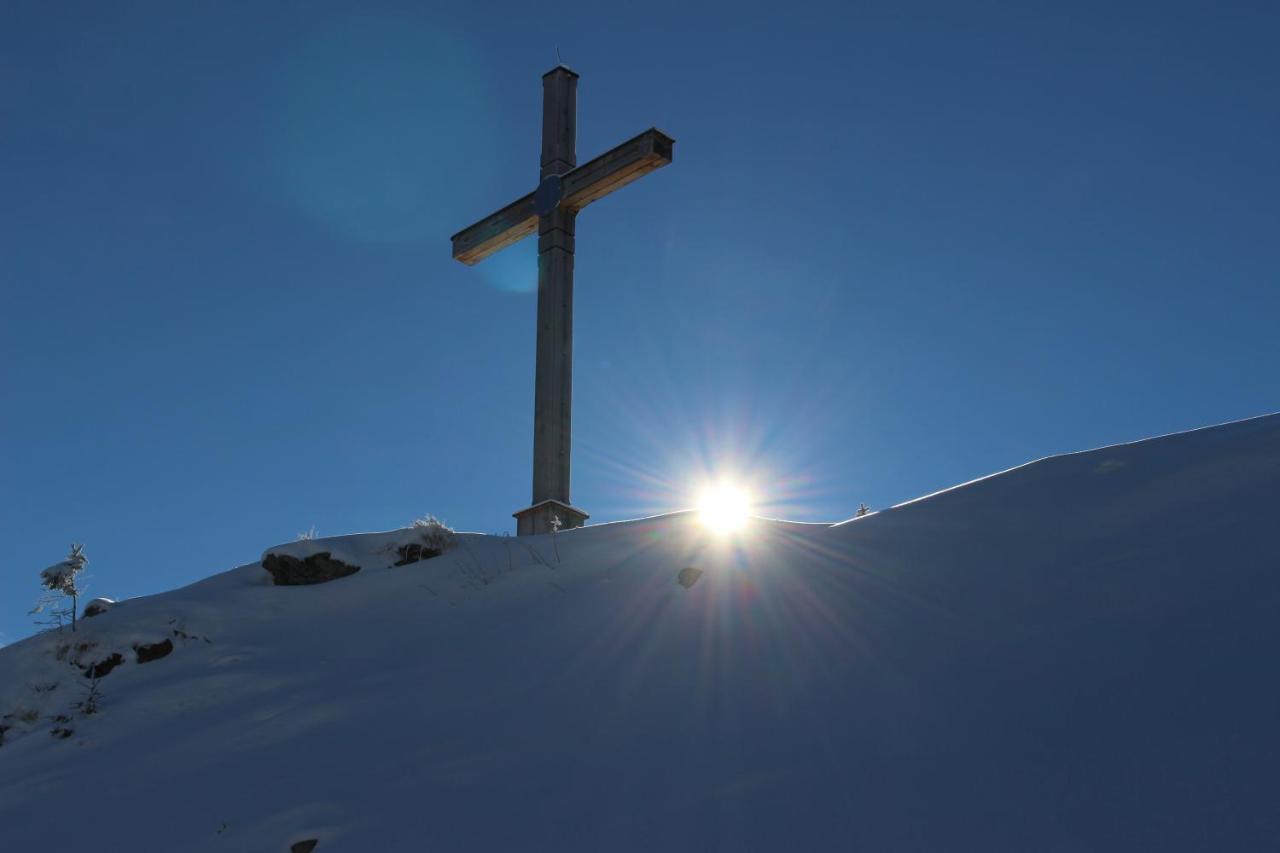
542, 516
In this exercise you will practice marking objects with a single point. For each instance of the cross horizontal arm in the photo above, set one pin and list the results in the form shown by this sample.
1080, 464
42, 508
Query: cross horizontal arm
496, 231
614, 169
589, 182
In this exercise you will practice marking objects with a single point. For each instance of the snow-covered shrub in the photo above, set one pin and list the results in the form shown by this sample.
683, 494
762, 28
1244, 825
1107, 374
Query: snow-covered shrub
435, 534
432, 538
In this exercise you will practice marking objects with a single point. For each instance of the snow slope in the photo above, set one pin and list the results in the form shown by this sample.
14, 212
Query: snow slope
1075, 655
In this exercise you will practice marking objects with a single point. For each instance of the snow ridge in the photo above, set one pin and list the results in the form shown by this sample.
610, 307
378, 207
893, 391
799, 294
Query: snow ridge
1075, 654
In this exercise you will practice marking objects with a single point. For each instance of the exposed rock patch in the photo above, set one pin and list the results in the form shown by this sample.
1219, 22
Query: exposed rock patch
153, 651
104, 666
64, 649
318, 568
413, 552
97, 607
688, 577
304, 846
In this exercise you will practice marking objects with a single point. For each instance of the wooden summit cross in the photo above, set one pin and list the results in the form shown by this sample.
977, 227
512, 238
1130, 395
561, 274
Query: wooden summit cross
563, 190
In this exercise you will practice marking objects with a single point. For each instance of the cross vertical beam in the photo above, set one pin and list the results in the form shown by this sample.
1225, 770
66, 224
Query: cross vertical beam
553, 382
559, 121
553, 372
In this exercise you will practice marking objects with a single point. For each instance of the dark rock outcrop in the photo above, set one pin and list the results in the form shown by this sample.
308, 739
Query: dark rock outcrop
688, 577
97, 607
318, 568
104, 666
304, 846
413, 552
153, 651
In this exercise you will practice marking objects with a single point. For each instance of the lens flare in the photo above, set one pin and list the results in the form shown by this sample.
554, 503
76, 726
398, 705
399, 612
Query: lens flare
724, 508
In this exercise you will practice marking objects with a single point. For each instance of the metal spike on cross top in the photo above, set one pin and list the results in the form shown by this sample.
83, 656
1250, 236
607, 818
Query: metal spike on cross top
564, 188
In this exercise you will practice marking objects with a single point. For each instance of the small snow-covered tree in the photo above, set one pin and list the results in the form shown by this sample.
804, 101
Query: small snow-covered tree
61, 578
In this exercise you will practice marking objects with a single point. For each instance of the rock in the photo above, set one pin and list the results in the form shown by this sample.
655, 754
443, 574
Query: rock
413, 552
104, 666
318, 568
153, 651
688, 577
97, 607
304, 846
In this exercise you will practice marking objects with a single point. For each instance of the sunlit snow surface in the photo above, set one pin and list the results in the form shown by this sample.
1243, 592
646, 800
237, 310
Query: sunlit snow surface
1076, 655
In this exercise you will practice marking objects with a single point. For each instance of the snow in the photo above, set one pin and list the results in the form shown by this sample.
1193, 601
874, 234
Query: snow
1077, 654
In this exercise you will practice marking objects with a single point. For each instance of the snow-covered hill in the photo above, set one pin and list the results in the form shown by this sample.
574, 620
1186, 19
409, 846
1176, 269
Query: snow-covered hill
1076, 655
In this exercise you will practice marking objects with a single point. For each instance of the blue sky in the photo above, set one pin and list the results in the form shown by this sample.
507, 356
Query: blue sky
901, 245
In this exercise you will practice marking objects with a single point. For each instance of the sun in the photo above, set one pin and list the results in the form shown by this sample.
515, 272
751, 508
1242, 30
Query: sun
724, 508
